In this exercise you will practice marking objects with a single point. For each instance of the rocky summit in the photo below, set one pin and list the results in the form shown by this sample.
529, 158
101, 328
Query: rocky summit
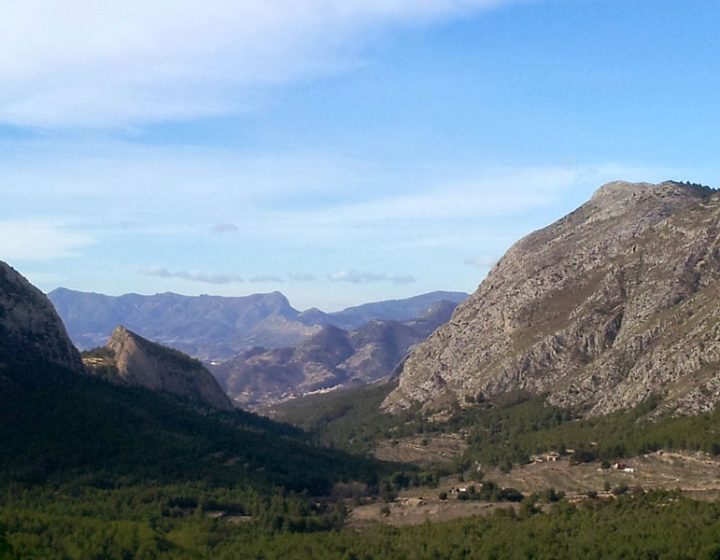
616, 302
134, 360
30, 329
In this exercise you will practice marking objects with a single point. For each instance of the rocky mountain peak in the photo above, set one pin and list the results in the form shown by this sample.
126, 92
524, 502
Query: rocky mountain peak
138, 361
594, 310
30, 328
616, 192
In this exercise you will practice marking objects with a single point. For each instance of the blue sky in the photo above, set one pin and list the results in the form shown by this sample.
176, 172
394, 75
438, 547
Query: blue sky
340, 151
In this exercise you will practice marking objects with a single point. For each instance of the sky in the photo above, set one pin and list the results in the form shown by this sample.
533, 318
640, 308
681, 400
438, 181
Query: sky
339, 151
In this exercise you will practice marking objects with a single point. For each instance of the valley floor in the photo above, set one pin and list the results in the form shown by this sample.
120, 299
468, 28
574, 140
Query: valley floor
695, 474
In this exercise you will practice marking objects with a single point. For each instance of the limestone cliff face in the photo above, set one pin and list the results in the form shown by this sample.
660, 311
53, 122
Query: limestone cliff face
147, 364
30, 328
614, 302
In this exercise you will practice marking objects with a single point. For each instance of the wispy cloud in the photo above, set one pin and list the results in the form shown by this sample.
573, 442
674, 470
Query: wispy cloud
297, 277
266, 278
203, 277
223, 229
39, 240
357, 277
128, 62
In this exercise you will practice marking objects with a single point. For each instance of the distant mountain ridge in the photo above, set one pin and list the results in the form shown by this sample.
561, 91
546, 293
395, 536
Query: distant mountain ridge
332, 358
216, 327
389, 310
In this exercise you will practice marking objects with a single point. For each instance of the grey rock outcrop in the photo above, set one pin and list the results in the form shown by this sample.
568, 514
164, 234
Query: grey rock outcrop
137, 361
30, 328
611, 304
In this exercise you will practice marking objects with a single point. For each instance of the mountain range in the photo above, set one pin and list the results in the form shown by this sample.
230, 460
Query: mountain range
330, 359
612, 305
215, 328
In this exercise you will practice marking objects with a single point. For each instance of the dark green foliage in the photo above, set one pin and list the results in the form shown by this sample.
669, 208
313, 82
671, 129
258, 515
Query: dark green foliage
498, 435
656, 525
550, 495
695, 185
581, 455
490, 492
620, 490
350, 419
56, 423
5, 550
89, 469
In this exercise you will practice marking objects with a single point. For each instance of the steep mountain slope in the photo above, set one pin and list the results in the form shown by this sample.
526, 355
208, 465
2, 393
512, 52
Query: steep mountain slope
130, 359
215, 328
332, 358
611, 304
30, 325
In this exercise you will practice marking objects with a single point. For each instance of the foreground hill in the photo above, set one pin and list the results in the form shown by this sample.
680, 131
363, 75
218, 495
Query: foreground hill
215, 327
612, 304
333, 358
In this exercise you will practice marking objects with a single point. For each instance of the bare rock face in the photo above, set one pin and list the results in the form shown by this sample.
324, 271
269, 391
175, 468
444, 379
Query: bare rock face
138, 361
611, 304
29, 326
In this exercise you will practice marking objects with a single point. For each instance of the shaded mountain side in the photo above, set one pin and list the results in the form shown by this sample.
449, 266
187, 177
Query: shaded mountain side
132, 360
30, 325
215, 328
331, 359
609, 305
56, 422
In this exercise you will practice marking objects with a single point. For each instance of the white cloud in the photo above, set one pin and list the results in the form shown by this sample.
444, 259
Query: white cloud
266, 278
203, 277
482, 193
357, 277
28, 240
123, 62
